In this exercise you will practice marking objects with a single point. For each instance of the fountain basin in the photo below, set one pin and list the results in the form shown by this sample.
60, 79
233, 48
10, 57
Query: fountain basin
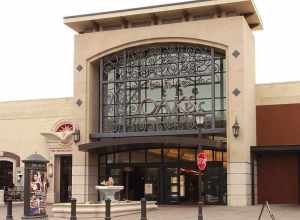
109, 191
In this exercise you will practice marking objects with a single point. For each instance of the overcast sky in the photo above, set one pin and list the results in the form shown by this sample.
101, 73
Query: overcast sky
36, 48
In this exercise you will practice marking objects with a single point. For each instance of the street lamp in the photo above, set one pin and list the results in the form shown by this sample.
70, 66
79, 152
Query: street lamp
200, 118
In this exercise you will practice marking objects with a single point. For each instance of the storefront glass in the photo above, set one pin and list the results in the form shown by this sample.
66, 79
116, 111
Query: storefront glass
166, 175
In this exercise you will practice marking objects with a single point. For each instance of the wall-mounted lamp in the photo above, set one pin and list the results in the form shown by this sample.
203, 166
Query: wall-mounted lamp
19, 177
236, 128
76, 135
50, 170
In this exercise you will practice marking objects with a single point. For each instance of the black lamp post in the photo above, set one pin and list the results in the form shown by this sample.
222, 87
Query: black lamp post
200, 117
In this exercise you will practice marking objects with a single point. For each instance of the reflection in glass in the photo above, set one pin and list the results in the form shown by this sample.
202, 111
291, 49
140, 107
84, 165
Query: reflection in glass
122, 157
187, 154
138, 156
110, 158
170, 154
154, 155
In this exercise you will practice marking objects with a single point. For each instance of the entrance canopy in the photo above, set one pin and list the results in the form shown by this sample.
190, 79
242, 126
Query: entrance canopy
108, 145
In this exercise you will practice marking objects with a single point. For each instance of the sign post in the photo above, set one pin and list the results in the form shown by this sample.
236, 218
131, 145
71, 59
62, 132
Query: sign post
201, 163
35, 187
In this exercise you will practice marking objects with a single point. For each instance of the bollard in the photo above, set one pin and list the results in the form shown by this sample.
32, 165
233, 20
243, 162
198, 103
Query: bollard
143, 209
107, 209
200, 210
9, 210
73, 209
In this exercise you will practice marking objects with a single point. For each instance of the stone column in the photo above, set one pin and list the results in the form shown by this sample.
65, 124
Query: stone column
241, 107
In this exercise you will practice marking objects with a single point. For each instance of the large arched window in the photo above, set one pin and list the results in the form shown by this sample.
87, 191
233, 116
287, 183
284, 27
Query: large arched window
161, 87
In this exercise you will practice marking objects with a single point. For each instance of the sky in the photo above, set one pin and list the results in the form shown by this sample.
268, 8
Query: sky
36, 48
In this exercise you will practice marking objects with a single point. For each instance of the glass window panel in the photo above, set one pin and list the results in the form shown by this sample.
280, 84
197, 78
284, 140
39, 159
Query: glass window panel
108, 124
152, 181
102, 159
187, 154
102, 170
138, 156
109, 110
209, 155
154, 155
116, 174
121, 73
132, 109
154, 90
208, 121
170, 154
203, 88
118, 124
218, 156
153, 123
110, 158
122, 157
187, 68
170, 87
204, 66
218, 65
108, 91
220, 119
204, 105
187, 86
219, 104
219, 87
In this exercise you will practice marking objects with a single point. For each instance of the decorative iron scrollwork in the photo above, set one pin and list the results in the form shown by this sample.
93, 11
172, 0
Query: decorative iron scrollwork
160, 87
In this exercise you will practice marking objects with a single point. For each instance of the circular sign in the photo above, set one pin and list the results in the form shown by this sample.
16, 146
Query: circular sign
201, 162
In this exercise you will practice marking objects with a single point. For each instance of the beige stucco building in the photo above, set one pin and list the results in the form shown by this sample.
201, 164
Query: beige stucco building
141, 79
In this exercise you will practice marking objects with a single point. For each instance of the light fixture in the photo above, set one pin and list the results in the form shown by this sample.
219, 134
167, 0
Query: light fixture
19, 177
200, 118
236, 128
76, 135
50, 170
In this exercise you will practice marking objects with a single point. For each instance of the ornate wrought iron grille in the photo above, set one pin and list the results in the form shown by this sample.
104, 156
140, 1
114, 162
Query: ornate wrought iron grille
160, 87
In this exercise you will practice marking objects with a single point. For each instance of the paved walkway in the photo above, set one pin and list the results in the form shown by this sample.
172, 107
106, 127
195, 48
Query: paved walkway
281, 212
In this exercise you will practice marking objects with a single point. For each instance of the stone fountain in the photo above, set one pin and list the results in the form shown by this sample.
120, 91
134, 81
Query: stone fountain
110, 191
97, 209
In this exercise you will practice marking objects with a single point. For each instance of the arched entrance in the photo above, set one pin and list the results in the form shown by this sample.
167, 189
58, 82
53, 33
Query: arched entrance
6, 174
147, 134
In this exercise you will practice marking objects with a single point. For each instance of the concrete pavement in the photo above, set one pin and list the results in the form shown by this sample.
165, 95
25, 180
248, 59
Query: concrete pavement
281, 212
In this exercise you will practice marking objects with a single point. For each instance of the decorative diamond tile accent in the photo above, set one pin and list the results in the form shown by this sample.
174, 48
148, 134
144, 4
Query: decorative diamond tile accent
79, 102
236, 53
79, 68
236, 92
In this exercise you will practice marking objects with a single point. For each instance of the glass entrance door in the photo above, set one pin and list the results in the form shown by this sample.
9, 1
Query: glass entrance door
172, 185
215, 183
165, 175
65, 178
